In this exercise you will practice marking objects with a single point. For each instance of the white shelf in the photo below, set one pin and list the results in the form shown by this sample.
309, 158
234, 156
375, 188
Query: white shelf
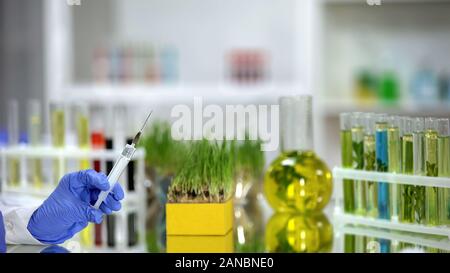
358, 175
142, 93
412, 238
332, 108
67, 152
343, 218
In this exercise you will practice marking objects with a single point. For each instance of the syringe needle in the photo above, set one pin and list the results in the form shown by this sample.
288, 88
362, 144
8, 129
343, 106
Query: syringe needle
138, 135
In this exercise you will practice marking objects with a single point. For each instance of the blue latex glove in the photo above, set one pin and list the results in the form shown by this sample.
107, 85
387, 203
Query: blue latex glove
2, 235
68, 209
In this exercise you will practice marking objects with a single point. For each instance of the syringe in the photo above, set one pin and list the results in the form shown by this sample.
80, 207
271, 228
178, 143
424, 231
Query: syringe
120, 165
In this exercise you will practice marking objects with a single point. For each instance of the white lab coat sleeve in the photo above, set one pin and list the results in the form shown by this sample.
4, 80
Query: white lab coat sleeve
16, 221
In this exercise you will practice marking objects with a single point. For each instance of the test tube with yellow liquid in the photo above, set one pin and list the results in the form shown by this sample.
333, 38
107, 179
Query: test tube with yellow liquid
443, 170
83, 139
13, 140
35, 134
58, 131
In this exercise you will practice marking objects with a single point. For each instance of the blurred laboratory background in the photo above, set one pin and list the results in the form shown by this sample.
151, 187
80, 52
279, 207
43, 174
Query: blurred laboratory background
96, 55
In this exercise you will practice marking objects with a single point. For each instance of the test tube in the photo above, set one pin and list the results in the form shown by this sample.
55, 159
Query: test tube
443, 169
58, 137
381, 152
35, 135
407, 192
357, 120
82, 128
431, 169
13, 140
394, 160
370, 164
347, 160
419, 168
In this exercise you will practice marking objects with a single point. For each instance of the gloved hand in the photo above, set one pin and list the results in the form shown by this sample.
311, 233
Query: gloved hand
68, 209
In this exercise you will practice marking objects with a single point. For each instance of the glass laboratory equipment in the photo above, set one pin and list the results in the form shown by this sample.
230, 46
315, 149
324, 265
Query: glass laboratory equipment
419, 168
13, 162
58, 136
297, 180
357, 120
35, 135
394, 160
443, 170
299, 233
381, 153
370, 164
407, 192
431, 169
347, 160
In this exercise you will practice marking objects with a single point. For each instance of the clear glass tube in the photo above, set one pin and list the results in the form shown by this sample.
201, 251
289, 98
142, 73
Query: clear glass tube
347, 160
431, 168
381, 152
443, 170
82, 128
35, 134
370, 164
357, 130
419, 168
13, 140
394, 160
58, 136
407, 192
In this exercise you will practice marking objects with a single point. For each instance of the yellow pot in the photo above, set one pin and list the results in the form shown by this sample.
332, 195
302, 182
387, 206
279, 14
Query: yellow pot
213, 219
200, 243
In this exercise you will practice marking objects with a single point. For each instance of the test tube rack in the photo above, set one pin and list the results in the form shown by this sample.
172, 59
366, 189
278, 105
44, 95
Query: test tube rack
359, 176
134, 202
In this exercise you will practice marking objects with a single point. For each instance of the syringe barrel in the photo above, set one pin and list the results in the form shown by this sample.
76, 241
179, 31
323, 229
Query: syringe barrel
116, 172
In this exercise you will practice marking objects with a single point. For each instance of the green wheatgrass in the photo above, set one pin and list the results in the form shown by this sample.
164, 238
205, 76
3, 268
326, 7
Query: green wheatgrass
249, 157
347, 162
162, 152
407, 192
358, 164
205, 176
369, 165
444, 171
431, 168
394, 166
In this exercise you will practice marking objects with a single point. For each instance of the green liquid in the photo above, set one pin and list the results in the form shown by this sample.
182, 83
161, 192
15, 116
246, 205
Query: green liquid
358, 164
298, 181
371, 186
407, 192
36, 167
444, 171
394, 166
83, 139
419, 169
347, 162
431, 167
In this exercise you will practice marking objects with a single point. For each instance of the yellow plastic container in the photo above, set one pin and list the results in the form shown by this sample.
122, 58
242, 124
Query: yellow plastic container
200, 243
213, 219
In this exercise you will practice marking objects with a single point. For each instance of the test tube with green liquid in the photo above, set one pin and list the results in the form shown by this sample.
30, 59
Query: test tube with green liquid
13, 140
370, 164
347, 160
35, 133
407, 192
443, 170
394, 161
58, 132
357, 120
419, 168
431, 169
